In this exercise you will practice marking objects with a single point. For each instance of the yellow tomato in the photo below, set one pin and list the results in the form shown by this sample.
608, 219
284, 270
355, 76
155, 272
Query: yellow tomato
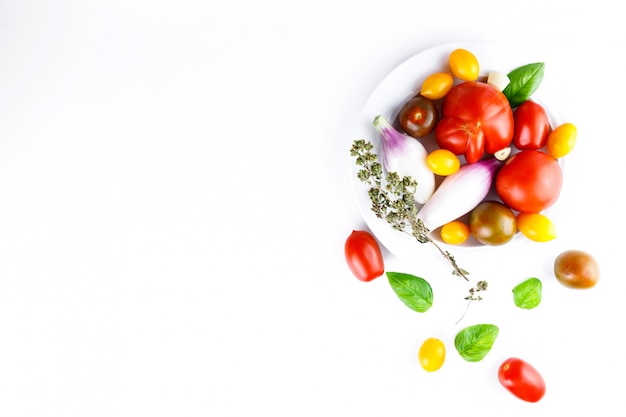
455, 232
437, 85
432, 354
536, 226
464, 65
561, 140
443, 162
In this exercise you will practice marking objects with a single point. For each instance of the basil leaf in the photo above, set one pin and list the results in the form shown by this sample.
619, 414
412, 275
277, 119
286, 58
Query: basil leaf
474, 342
414, 291
523, 82
527, 294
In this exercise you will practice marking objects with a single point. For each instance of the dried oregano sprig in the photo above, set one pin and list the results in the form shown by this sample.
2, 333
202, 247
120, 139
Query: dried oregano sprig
393, 199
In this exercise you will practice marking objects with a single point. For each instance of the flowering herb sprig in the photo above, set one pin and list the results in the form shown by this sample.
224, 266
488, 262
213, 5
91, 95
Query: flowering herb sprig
393, 199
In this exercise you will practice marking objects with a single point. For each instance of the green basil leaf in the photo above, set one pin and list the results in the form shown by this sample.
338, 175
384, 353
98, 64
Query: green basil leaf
474, 342
523, 82
527, 294
414, 291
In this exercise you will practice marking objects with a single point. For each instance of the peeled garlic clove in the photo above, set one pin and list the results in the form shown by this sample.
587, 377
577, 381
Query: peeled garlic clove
498, 79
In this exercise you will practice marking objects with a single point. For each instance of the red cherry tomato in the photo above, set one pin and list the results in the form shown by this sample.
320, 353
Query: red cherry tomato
532, 126
530, 181
522, 380
364, 256
476, 118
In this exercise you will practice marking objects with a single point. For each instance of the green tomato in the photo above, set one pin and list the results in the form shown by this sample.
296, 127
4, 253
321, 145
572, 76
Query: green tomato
492, 223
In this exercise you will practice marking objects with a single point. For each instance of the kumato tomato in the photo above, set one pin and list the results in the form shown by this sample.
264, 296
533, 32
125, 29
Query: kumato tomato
576, 269
464, 65
418, 116
492, 223
443, 162
522, 380
536, 226
530, 181
562, 140
455, 232
532, 126
437, 85
364, 256
432, 354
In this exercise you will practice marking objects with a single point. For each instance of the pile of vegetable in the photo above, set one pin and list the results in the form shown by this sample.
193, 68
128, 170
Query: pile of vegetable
491, 136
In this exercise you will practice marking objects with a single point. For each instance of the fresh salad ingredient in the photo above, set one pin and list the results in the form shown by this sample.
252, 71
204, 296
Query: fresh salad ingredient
536, 226
437, 85
527, 294
364, 256
455, 232
443, 162
474, 342
522, 380
459, 193
524, 81
464, 64
576, 269
432, 354
562, 140
498, 79
393, 199
476, 118
530, 181
415, 292
418, 116
492, 223
531, 126
406, 156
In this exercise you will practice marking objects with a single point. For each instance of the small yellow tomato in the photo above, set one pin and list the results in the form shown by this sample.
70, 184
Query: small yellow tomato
561, 140
536, 226
455, 232
464, 64
432, 354
437, 85
443, 162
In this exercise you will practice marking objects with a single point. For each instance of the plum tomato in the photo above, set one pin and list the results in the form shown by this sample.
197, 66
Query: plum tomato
418, 116
443, 162
432, 354
536, 226
364, 256
531, 126
562, 140
437, 85
576, 269
521, 379
529, 181
492, 223
475, 118
455, 232
464, 64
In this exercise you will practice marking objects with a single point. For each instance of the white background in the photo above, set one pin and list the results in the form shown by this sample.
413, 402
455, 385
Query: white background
175, 196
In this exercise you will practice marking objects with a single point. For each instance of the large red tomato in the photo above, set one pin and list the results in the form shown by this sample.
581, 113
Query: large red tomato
531, 126
522, 380
364, 256
530, 181
476, 118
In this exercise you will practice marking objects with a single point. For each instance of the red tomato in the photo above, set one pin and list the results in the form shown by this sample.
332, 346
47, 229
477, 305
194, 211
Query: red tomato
476, 118
532, 126
522, 380
530, 181
363, 255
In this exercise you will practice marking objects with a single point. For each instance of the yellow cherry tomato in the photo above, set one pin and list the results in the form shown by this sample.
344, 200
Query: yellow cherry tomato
432, 354
536, 226
443, 162
464, 64
437, 85
561, 140
455, 232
